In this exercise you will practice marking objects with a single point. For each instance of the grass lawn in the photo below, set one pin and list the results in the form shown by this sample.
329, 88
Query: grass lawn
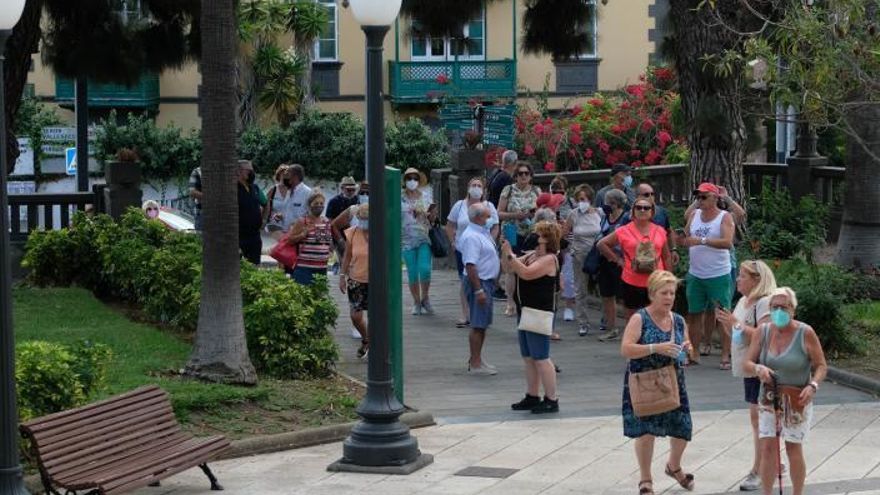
143, 354
864, 320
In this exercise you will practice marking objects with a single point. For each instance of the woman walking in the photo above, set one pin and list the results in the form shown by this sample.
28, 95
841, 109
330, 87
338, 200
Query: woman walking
656, 338
537, 275
515, 208
417, 214
583, 224
313, 235
457, 221
354, 274
643, 249
788, 358
279, 200
756, 282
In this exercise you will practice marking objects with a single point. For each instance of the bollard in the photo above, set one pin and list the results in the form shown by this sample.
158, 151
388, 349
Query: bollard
395, 278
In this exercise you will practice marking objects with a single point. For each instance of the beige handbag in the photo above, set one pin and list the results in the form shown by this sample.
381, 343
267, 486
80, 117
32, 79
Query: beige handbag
655, 391
536, 320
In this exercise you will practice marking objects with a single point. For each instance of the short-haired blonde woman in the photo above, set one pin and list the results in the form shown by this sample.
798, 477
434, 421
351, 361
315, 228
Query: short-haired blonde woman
655, 338
537, 274
756, 282
787, 356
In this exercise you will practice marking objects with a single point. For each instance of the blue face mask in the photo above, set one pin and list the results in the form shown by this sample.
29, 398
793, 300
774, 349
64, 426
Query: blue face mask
780, 317
628, 181
364, 224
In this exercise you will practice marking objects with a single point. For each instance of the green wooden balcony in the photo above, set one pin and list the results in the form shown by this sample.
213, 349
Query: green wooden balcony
424, 82
143, 94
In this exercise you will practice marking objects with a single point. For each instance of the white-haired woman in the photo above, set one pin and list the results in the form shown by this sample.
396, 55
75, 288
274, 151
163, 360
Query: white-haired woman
756, 281
151, 209
788, 358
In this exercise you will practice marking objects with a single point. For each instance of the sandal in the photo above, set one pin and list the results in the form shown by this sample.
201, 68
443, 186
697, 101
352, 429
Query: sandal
555, 336
509, 311
462, 324
705, 349
646, 487
686, 480
725, 365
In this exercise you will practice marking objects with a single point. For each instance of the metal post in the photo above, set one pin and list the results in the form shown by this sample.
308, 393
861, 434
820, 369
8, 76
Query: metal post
395, 278
81, 107
379, 439
11, 482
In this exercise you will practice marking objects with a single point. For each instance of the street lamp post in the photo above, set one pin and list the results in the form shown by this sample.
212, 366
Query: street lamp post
380, 442
11, 482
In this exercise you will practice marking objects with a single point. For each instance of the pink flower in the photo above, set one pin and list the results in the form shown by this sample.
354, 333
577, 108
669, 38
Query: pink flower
551, 150
575, 138
636, 163
653, 157
664, 138
596, 102
648, 124
588, 153
635, 153
528, 149
576, 111
442, 79
575, 128
604, 147
636, 89
538, 129
549, 166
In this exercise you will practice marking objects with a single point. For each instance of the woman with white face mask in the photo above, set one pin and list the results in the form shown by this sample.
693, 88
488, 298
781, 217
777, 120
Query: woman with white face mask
418, 212
584, 225
457, 222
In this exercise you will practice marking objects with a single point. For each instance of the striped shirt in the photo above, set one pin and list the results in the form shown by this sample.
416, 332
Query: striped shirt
314, 250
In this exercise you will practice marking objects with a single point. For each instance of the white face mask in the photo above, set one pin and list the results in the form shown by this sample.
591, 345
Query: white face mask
584, 206
412, 184
475, 192
364, 224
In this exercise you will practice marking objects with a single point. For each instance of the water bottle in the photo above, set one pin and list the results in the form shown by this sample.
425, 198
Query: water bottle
737, 336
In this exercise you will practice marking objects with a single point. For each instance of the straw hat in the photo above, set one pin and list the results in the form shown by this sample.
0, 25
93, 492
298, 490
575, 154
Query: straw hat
423, 179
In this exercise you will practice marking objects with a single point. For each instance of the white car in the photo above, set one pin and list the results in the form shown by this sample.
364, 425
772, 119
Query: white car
176, 220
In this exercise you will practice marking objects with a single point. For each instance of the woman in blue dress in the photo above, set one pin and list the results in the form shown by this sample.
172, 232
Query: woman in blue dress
656, 337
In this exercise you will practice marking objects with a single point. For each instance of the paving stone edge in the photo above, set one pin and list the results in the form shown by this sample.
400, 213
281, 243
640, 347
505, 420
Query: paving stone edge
854, 380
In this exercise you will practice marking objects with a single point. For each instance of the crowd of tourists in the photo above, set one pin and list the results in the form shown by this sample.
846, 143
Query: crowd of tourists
542, 254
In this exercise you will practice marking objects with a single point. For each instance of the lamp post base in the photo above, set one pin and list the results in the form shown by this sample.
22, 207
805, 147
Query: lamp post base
341, 466
11, 482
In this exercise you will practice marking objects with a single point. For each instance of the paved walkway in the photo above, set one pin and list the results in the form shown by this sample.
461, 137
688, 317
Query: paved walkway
435, 363
562, 456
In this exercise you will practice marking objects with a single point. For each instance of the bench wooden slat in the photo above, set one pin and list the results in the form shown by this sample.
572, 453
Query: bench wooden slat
91, 433
135, 397
118, 444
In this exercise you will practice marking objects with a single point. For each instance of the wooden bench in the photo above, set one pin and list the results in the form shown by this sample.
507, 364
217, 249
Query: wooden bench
126, 442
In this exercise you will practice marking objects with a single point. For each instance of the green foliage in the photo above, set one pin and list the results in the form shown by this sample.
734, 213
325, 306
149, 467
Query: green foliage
164, 153
410, 143
142, 262
781, 229
52, 377
30, 120
287, 338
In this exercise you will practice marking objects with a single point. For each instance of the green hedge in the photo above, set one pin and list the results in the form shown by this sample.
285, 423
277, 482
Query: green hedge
142, 262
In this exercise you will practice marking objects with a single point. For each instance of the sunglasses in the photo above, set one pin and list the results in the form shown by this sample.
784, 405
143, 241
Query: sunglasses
702, 197
647, 195
411, 177
643, 208
523, 173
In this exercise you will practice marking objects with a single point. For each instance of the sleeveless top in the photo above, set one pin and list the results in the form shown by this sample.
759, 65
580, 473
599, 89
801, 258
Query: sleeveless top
629, 238
314, 250
359, 267
792, 365
747, 316
539, 293
708, 262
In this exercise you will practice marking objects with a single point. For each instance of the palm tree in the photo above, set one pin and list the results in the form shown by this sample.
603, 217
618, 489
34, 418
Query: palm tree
306, 21
220, 351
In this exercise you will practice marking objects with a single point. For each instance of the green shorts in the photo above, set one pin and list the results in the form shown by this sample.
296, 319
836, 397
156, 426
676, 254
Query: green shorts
702, 293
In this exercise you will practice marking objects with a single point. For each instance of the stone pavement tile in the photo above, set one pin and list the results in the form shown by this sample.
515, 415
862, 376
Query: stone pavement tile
858, 456
532, 448
460, 485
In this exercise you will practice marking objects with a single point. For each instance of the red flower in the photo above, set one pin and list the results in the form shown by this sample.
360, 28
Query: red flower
549, 166
636, 163
575, 138
576, 111
528, 149
635, 153
616, 129
653, 157
664, 138
596, 102
588, 153
663, 74
636, 89
538, 129
551, 150
575, 128
604, 146
442, 79
609, 160
648, 124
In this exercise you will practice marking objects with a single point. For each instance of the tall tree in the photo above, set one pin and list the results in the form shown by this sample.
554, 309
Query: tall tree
220, 351
21, 45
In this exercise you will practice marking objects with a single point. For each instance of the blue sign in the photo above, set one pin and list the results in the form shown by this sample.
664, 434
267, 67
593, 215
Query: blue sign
70, 160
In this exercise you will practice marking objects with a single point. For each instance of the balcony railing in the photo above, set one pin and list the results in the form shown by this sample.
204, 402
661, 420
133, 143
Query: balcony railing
423, 82
142, 94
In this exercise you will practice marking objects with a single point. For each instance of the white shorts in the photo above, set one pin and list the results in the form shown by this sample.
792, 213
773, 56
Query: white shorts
794, 430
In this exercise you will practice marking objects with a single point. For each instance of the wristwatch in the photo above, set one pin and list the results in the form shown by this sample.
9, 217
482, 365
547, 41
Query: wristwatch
815, 386
479, 291
703, 241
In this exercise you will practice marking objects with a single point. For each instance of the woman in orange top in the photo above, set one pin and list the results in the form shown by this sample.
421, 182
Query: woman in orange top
354, 273
637, 264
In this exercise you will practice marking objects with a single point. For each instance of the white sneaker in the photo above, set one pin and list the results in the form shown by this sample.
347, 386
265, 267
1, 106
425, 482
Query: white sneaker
751, 483
355, 334
784, 468
490, 366
482, 371
427, 309
416, 310
568, 314
610, 336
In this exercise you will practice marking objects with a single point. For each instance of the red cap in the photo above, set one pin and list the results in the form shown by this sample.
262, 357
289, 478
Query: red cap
552, 201
708, 187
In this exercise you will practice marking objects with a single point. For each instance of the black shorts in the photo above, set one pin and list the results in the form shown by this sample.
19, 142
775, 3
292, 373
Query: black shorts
752, 387
609, 278
358, 295
633, 297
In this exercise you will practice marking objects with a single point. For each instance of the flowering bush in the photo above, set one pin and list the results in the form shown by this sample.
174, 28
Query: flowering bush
634, 128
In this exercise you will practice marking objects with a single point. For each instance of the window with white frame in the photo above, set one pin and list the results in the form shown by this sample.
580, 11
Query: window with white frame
593, 29
471, 47
326, 49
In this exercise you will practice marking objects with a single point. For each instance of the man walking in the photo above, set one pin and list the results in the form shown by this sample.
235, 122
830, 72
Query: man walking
195, 192
299, 192
481, 266
621, 179
250, 213
503, 177
708, 237
346, 198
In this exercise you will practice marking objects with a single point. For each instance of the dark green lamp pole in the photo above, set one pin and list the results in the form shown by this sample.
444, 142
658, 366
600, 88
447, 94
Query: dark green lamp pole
380, 442
11, 482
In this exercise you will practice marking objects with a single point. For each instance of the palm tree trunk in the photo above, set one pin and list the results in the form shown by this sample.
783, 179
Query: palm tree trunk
305, 81
711, 104
220, 352
858, 246
19, 49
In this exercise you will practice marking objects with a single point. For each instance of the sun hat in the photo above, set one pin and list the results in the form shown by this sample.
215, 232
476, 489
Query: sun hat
347, 181
423, 179
548, 200
708, 187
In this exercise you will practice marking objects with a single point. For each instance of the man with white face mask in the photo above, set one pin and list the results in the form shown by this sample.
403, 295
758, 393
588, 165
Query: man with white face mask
621, 179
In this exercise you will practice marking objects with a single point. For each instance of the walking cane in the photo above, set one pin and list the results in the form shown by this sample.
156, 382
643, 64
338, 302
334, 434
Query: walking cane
777, 412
